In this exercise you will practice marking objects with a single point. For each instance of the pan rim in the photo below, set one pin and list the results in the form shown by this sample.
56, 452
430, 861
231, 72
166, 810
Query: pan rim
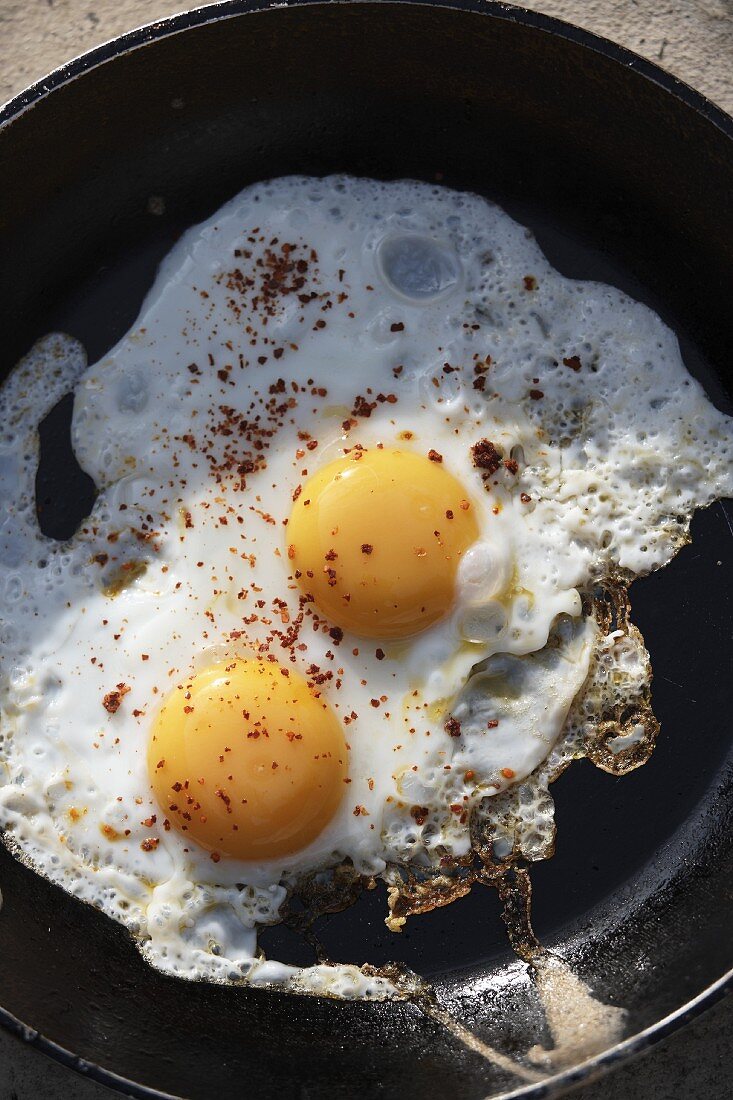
120, 45
556, 1086
144, 35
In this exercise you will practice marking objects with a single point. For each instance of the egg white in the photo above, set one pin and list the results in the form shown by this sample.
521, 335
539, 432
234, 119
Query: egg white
197, 448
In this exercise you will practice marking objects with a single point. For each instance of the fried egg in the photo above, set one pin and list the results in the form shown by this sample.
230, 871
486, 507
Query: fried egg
358, 461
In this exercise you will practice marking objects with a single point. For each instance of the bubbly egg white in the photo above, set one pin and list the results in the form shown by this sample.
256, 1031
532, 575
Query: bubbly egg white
305, 318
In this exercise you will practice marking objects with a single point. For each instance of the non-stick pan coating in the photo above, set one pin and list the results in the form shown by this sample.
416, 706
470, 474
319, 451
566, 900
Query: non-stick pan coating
625, 176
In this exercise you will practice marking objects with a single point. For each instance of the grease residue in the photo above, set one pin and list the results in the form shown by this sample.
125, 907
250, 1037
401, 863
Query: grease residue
581, 1026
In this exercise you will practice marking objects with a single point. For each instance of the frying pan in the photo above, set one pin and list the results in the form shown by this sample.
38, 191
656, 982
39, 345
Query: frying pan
625, 175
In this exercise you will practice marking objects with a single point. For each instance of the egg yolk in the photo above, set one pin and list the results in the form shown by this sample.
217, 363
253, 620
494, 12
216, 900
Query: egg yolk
245, 759
376, 538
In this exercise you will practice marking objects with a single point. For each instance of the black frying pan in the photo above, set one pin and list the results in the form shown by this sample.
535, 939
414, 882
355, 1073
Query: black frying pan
625, 175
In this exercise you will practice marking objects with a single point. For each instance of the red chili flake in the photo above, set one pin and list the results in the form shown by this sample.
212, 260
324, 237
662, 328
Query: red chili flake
398, 326
511, 465
449, 514
573, 361
331, 555
420, 814
215, 857
336, 633
113, 699
225, 798
508, 773
297, 491
452, 727
525, 498
101, 559
150, 844
366, 548
530, 283
361, 811
379, 654
291, 551
492, 723
536, 395
435, 456
486, 457
362, 407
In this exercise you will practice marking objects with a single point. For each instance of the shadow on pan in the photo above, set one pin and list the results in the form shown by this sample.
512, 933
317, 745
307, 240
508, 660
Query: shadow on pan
625, 176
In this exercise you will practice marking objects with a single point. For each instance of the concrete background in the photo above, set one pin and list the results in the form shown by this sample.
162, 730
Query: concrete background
691, 38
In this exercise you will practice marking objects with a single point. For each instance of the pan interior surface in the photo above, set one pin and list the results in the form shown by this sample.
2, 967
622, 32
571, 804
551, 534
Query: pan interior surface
622, 180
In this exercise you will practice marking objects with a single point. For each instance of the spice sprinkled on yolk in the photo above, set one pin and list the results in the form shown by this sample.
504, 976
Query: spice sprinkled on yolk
376, 538
246, 760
